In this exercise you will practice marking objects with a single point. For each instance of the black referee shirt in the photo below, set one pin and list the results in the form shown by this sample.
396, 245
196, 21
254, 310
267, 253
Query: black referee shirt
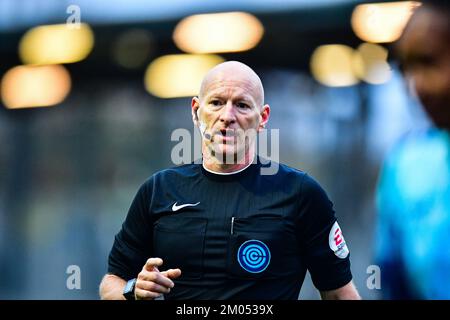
238, 236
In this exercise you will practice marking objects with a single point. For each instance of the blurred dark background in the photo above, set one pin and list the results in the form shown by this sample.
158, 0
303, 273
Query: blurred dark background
69, 171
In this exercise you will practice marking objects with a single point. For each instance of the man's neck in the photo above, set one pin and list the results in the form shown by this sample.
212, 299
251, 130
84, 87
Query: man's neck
214, 165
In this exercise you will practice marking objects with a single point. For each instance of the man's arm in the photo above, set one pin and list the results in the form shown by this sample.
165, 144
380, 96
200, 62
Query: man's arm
347, 292
111, 287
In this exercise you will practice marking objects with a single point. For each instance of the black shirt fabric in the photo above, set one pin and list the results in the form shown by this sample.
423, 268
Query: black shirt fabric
242, 236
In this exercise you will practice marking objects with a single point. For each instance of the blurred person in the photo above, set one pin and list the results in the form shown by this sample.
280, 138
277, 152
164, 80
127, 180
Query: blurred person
222, 230
413, 196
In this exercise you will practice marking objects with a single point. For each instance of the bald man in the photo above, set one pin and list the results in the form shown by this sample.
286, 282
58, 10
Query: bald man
413, 232
223, 229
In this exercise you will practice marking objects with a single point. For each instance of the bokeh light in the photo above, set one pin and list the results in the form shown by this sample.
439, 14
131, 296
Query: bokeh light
332, 65
374, 68
178, 75
35, 86
132, 48
55, 44
382, 22
218, 32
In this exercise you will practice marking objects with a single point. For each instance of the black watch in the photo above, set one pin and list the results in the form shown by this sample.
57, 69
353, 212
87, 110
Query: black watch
128, 291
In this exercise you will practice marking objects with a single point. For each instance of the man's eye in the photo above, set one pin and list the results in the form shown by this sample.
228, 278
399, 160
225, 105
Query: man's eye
242, 105
215, 102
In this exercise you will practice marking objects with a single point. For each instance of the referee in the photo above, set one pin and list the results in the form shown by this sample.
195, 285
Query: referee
223, 229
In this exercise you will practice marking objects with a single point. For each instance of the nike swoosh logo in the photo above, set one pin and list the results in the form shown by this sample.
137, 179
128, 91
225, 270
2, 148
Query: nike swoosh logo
176, 208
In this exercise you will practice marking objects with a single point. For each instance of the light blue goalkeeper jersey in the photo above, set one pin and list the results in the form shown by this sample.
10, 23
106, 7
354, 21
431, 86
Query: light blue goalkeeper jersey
413, 230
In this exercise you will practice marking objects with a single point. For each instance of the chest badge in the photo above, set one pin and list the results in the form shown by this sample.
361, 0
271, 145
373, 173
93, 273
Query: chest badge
254, 256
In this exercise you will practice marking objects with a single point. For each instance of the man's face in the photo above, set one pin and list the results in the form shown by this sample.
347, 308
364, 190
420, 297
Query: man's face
231, 107
425, 56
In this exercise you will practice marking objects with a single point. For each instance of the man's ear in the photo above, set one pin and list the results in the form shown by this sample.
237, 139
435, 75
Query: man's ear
265, 113
195, 104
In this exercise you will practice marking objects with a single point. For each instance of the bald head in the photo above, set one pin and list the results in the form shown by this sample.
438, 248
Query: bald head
239, 73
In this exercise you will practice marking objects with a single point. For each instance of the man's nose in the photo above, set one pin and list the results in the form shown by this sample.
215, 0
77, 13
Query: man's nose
228, 113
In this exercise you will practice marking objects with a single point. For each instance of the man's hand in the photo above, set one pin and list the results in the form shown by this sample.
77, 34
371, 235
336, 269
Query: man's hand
151, 283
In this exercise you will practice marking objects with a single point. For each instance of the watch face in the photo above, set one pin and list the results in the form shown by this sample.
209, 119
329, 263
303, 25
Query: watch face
128, 291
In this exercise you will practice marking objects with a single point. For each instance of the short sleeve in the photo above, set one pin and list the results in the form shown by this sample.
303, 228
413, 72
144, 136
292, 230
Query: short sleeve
132, 245
322, 241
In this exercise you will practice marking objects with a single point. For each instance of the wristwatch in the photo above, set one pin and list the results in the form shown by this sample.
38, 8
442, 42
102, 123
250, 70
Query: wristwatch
128, 291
